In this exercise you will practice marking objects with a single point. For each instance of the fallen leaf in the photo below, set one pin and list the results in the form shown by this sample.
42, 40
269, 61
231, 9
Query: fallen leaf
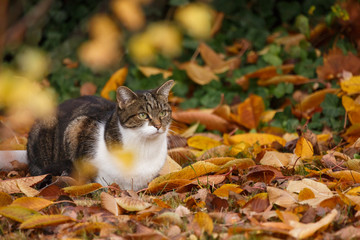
351, 86
149, 71
11, 185
281, 197
34, 203
306, 194
347, 175
253, 138
258, 203
304, 149
116, 80
88, 88
294, 79
5, 199
129, 13
318, 188
249, 112
28, 191
82, 189
199, 74
276, 159
132, 204
109, 203
40, 221
352, 108
263, 173
211, 121
223, 191
202, 142
18, 213
169, 218
204, 221
169, 166
302, 231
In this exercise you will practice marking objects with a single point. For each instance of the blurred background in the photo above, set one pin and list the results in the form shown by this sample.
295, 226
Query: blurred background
51, 51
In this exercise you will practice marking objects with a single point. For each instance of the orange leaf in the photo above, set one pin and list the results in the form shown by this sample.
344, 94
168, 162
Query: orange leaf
116, 80
11, 185
5, 199
313, 100
306, 194
82, 189
249, 112
223, 191
347, 175
44, 221
34, 203
167, 185
18, 213
253, 138
161, 203
294, 79
204, 221
211, 121
210, 57
304, 148
199, 74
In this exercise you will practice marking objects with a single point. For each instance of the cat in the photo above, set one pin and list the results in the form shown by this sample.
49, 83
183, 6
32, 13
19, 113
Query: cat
91, 129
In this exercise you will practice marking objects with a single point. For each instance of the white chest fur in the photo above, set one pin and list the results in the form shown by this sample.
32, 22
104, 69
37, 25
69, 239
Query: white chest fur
141, 157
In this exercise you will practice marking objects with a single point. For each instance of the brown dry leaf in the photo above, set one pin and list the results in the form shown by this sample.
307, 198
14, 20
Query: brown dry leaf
349, 232
161, 203
34, 203
109, 203
294, 79
312, 101
199, 74
306, 194
116, 80
210, 180
129, 13
347, 175
11, 185
302, 231
103, 228
253, 138
82, 189
18, 213
290, 40
169, 217
88, 88
132, 204
335, 62
5, 199
287, 216
169, 166
204, 221
276, 159
211, 121
249, 112
202, 142
263, 173
40, 221
281, 197
210, 57
148, 71
239, 163
217, 23
304, 149
223, 191
258, 203
182, 155
28, 191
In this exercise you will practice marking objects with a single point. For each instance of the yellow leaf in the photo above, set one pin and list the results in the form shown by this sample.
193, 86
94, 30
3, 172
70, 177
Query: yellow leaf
149, 71
11, 185
204, 221
223, 191
18, 213
44, 221
249, 112
5, 199
202, 142
302, 231
352, 108
34, 203
199, 74
253, 138
351, 86
306, 194
116, 80
132, 204
353, 164
347, 175
82, 189
304, 148
167, 185
129, 13
238, 163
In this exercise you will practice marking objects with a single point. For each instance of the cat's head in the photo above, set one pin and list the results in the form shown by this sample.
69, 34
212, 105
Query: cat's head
146, 111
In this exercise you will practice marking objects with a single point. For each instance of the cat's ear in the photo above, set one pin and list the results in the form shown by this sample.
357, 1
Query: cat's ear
165, 88
125, 96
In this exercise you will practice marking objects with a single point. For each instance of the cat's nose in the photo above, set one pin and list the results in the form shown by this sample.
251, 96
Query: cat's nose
157, 126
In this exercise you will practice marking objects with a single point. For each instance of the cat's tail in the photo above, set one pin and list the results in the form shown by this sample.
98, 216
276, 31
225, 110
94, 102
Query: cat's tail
7, 158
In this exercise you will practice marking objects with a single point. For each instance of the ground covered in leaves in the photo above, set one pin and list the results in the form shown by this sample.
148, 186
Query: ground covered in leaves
266, 117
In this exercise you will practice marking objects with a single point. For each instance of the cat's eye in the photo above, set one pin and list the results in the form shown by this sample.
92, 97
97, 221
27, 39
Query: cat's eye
163, 113
143, 116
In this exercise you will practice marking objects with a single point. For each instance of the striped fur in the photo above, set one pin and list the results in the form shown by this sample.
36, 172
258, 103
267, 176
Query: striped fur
89, 128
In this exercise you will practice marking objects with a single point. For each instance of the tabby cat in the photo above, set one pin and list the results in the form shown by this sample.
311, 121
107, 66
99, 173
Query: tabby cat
89, 128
